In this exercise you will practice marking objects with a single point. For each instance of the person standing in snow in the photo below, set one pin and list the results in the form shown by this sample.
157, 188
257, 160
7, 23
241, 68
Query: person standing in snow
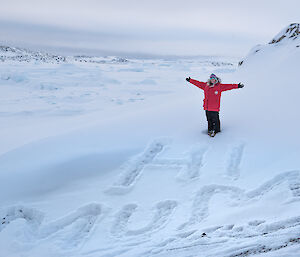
212, 97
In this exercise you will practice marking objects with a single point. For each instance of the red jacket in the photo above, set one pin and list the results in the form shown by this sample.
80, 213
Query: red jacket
212, 95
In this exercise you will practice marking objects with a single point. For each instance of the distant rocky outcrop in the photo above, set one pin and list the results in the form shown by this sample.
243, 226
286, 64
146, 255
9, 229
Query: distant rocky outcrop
92, 59
290, 34
8, 53
16, 54
25, 55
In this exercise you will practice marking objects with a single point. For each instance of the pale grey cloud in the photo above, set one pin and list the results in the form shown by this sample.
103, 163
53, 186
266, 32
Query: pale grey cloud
160, 27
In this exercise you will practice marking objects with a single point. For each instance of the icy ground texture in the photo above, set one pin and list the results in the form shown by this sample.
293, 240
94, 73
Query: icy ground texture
112, 159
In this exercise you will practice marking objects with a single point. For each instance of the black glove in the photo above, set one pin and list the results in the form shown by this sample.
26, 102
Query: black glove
240, 85
188, 79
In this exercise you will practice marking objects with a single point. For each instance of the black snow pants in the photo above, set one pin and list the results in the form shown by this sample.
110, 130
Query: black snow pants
213, 121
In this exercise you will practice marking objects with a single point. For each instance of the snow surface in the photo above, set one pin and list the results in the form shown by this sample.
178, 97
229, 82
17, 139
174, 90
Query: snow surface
111, 158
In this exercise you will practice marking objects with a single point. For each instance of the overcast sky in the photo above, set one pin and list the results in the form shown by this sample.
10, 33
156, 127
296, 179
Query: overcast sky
161, 27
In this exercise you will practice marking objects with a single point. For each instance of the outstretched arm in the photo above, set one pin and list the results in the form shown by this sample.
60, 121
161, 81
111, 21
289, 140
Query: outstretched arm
226, 87
196, 83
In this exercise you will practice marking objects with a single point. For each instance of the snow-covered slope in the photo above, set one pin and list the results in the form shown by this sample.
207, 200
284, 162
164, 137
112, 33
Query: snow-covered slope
112, 158
288, 38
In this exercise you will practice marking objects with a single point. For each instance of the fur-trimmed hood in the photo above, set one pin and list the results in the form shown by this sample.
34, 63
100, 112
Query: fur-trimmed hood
212, 85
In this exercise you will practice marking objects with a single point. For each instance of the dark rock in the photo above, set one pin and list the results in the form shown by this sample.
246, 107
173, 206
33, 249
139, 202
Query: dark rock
292, 31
